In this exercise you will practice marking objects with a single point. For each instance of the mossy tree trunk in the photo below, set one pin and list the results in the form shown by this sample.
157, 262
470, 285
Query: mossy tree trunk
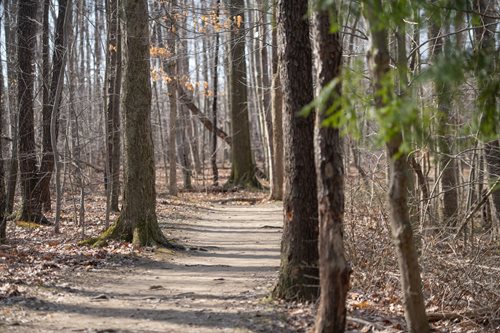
334, 270
242, 167
137, 222
298, 277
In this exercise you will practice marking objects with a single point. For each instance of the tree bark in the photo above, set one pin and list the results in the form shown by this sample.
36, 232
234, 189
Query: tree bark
485, 48
31, 209
277, 119
47, 164
242, 168
10, 51
137, 222
298, 277
213, 152
334, 271
114, 76
3, 197
447, 164
402, 233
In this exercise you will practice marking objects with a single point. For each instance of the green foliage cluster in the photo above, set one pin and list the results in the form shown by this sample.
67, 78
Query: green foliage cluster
402, 112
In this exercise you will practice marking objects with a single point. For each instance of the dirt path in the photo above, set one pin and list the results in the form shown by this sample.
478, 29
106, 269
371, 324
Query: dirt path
222, 289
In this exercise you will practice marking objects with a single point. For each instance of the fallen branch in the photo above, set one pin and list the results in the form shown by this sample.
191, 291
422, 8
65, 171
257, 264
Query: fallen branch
188, 102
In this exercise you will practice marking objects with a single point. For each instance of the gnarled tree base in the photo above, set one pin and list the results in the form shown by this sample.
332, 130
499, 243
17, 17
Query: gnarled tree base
297, 284
247, 181
145, 233
19, 215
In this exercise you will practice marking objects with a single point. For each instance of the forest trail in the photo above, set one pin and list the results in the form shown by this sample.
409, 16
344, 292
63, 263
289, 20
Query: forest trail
222, 289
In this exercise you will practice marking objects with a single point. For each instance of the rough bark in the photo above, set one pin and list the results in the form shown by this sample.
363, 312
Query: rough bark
298, 276
334, 271
277, 119
31, 209
402, 233
114, 77
242, 167
137, 222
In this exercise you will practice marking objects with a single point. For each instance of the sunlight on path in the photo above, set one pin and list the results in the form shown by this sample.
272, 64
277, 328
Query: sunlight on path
221, 289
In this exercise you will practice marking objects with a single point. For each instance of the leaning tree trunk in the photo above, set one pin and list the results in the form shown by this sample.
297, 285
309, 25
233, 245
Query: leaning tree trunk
334, 270
137, 222
402, 233
31, 209
242, 167
298, 277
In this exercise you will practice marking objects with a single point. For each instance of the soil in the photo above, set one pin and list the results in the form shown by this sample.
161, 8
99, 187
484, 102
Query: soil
220, 285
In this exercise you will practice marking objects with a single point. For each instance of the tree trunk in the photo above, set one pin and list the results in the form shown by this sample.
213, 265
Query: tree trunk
3, 222
400, 219
334, 270
171, 70
447, 164
242, 168
31, 209
138, 221
47, 164
10, 51
213, 152
277, 119
298, 277
114, 77
485, 48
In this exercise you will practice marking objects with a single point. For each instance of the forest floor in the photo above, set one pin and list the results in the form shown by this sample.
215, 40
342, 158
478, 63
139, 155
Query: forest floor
221, 287
48, 283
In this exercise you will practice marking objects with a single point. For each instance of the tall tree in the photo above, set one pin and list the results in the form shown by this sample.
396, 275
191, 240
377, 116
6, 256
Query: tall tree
447, 164
11, 52
3, 198
402, 233
334, 270
114, 77
277, 118
298, 277
47, 164
242, 167
213, 152
137, 222
31, 209
487, 73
